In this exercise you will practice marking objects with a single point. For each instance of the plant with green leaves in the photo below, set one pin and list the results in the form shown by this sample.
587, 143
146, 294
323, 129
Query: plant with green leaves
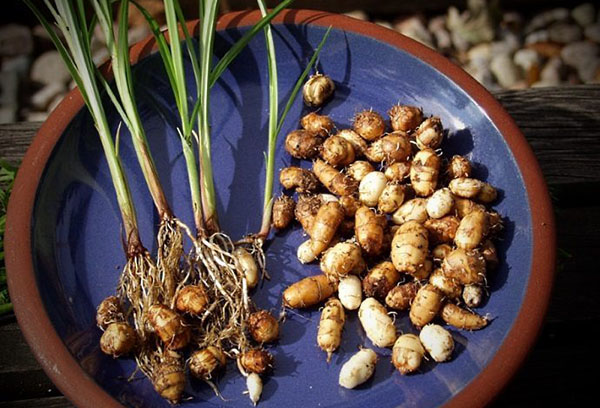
169, 236
140, 272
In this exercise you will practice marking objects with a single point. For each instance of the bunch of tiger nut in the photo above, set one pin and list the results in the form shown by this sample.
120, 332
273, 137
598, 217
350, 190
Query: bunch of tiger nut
394, 225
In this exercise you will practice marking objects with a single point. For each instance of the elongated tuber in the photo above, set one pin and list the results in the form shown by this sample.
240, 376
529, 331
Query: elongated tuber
369, 229
283, 211
378, 325
308, 292
350, 292
333, 180
380, 280
407, 353
358, 369
371, 187
409, 247
424, 172
329, 336
299, 179
425, 306
302, 144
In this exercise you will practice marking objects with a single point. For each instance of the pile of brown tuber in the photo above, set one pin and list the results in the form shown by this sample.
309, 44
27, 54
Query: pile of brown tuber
395, 227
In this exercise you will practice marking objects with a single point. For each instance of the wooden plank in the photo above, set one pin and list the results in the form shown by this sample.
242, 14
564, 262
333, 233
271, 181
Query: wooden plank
50, 402
561, 124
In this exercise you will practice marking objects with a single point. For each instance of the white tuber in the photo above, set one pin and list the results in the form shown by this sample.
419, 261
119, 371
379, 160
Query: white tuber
358, 369
378, 325
350, 292
371, 187
437, 341
440, 203
255, 386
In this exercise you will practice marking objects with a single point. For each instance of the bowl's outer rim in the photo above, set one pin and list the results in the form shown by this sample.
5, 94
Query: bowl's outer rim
83, 391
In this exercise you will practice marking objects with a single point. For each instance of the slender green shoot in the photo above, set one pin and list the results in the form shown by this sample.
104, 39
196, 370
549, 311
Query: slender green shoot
275, 123
76, 53
118, 47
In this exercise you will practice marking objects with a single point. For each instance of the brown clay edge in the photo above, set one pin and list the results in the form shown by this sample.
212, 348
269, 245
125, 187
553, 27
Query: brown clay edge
81, 389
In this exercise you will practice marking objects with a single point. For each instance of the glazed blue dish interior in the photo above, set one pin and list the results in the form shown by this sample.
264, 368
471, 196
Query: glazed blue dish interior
77, 245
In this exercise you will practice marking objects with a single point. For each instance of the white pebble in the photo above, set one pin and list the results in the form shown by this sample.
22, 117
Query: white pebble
564, 33
584, 14
437, 341
579, 53
42, 98
505, 70
526, 58
551, 73
358, 369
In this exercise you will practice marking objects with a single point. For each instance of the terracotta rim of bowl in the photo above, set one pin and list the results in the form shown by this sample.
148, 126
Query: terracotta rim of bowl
82, 390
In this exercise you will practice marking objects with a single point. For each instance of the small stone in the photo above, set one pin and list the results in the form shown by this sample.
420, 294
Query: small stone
358, 14
55, 102
49, 68
384, 23
15, 39
579, 53
544, 19
537, 36
552, 71
414, 28
36, 116
564, 33
507, 46
19, 64
42, 98
526, 58
481, 51
505, 70
592, 32
8, 114
437, 27
584, 14
588, 73
9, 88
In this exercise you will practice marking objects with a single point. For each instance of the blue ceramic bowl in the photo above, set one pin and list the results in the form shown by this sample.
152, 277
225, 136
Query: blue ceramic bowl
76, 253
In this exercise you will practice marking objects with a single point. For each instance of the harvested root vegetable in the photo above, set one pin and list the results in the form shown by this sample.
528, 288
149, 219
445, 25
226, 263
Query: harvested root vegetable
255, 386
394, 147
263, 327
465, 187
337, 151
424, 270
404, 117
464, 206
439, 252
461, 318
329, 336
369, 228
283, 211
204, 363
437, 341
299, 179
169, 327
378, 325
466, 267
442, 230
342, 259
490, 254
333, 180
440, 203
424, 172
459, 167
426, 305
350, 292
496, 225
370, 188
409, 247
118, 339
358, 369
256, 361
412, 210
320, 125
191, 299
358, 143
323, 228
169, 377
317, 90
391, 198
402, 296
449, 287
473, 295
430, 133
359, 169
308, 292
306, 210
398, 171
380, 280
407, 353
487, 194
369, 125
472, 229
302, 144
350, 204
248, 265
109, 311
